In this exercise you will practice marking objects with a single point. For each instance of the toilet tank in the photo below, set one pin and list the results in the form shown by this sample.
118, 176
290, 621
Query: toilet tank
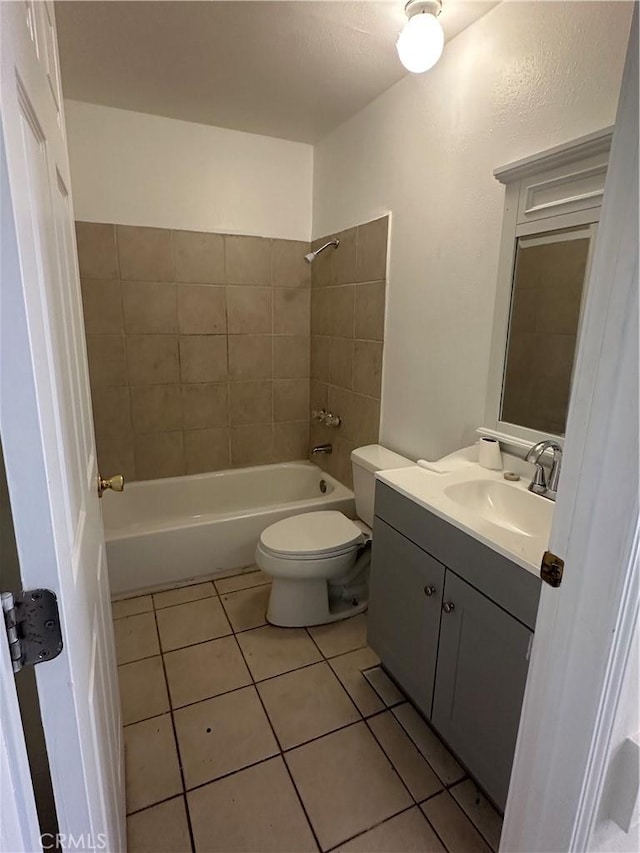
365, 461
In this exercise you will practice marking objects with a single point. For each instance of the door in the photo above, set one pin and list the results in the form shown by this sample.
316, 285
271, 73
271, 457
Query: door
482, 670
404, 611
47, 433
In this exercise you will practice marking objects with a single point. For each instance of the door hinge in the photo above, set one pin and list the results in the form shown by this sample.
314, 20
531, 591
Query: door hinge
32, 623
551, 569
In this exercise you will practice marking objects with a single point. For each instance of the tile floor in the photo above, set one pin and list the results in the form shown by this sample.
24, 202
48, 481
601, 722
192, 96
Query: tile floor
244, 737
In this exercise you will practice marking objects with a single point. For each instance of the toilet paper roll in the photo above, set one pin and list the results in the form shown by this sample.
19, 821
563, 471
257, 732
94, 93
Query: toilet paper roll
489, 455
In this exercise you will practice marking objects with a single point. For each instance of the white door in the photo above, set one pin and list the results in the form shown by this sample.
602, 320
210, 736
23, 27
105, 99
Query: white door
47, 434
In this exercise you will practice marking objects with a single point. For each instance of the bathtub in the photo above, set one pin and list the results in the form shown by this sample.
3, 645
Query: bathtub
163, 532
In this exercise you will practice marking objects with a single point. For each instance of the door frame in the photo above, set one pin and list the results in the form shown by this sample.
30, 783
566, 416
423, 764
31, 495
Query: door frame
586, 629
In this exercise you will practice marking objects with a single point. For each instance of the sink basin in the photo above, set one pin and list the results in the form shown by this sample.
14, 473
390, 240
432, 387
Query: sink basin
507, 506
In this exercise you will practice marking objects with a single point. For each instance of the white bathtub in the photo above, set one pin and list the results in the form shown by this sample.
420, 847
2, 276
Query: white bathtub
162, 532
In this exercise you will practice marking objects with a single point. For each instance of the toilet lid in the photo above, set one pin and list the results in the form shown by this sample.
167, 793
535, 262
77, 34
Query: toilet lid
319, 533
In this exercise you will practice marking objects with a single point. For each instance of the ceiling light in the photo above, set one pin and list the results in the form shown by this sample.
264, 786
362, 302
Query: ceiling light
421, 41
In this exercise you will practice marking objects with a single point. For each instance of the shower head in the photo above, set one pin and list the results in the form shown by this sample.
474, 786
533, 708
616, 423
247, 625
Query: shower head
310, 258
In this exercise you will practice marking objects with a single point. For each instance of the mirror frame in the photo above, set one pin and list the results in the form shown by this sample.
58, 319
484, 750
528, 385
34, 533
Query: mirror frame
556, 189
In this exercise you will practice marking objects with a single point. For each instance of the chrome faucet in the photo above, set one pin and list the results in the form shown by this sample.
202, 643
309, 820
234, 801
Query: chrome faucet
539, 484
322, 448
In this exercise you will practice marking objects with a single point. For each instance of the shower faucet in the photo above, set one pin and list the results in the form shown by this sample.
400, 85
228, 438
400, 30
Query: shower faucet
322, 448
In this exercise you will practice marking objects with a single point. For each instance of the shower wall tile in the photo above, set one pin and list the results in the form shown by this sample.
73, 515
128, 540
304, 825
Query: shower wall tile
343, 259
372, 250
185, 334
369, 311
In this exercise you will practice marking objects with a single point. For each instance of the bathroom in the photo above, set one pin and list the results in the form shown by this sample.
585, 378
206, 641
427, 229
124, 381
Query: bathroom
320, 359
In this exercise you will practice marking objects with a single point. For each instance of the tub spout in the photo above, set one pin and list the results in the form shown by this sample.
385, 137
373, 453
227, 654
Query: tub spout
322, 448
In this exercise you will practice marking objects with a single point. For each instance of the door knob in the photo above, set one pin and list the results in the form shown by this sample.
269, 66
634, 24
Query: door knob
429, 591
116, 483
448, 606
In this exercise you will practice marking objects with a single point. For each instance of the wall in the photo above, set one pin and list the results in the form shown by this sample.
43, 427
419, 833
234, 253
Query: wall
198, 348
137, 169
523, 78
348, 291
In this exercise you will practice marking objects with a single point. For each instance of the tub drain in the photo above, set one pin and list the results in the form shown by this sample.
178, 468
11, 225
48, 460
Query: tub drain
323, 486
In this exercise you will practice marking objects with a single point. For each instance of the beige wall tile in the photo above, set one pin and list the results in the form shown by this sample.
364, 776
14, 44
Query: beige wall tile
342, 301
318, 394
107, 361
156, 408
97, 255
372, 250
199, 257
291, 311
205, 405
321, 268
112, 412
145, 254
321, 358
290, 400
369, 311
152, 359
203, 358
291, 357
342, 362
290, 441
288, 266
201, 310
206, 450
251, 445
247, 260
339, 402
250, 403
249, 310
365, 418
340, 460
102, 306
250, 356
159, 455
343, 262
115, 456
149, 307
320, 311
367, 367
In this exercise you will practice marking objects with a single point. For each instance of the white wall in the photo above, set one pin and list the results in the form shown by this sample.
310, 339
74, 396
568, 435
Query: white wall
523, 78
137, 169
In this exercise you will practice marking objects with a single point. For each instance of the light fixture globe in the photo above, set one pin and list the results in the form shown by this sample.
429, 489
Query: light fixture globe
421, 42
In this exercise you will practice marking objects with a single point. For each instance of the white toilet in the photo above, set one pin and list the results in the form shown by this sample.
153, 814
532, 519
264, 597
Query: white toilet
319, 561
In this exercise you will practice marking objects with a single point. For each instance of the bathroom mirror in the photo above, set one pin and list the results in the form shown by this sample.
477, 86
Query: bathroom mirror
551, 210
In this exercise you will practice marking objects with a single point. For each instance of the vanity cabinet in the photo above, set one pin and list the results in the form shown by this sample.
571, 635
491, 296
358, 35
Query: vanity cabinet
452, 621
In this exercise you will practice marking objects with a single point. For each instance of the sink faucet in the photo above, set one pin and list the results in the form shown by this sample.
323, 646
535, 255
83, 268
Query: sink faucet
539, 484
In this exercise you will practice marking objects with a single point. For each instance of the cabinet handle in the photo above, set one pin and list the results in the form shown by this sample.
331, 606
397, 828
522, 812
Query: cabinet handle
448, 606
429, 591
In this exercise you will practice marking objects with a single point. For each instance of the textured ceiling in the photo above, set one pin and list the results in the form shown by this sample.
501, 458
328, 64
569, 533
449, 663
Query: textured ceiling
293, 70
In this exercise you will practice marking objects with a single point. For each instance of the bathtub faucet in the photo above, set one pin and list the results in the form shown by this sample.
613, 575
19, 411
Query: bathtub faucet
322, 448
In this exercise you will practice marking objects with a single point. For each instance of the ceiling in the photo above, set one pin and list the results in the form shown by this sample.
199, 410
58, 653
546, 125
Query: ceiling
293, 70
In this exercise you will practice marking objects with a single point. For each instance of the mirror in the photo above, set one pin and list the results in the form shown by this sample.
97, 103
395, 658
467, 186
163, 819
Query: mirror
546, 297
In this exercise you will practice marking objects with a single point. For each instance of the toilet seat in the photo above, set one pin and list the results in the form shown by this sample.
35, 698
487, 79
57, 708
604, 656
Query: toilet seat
312, 536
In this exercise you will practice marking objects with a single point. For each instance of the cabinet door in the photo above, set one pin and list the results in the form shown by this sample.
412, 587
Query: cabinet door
405, 599
482, 669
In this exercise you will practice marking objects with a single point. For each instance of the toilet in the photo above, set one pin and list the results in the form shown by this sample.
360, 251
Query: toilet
319, 561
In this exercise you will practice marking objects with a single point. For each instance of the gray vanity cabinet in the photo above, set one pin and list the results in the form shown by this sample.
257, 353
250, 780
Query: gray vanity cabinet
482, 668
404, 611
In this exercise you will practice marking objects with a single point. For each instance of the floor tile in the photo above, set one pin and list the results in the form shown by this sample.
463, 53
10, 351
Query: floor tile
408, 832
243, 581
254, 810
195, 622
346, 784
160, 829
414, 771
340, 637
143, 690
453, 826
136, 637
305, 704
151, 762
183, 594
349, 668
271, 651
384, 686
429, 744
223, 734
131, 606
479, 810
206, 670
247, 608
